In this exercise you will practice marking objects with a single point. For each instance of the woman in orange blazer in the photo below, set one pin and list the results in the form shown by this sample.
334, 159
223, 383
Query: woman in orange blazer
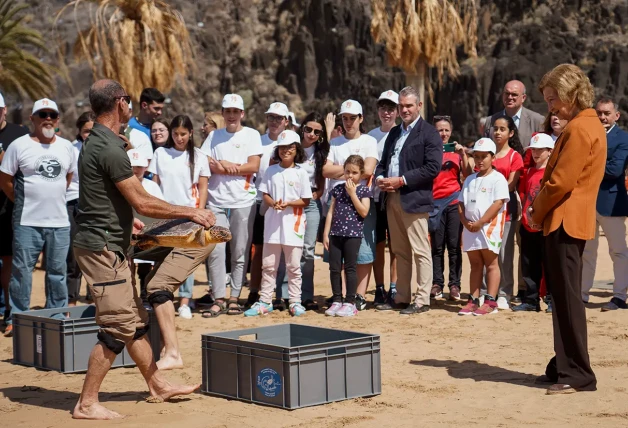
565, 210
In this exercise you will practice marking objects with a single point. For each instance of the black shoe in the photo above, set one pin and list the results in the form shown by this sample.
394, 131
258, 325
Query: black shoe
392, 293
279, 305
309, 305
391, 306
360, 302
414, 309
329, 301
544, 380
206, 300
614, 304
253, 298
380, 295
527, 307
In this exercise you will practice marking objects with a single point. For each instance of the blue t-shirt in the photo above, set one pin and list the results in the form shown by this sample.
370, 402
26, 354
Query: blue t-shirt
346, 221
133, 123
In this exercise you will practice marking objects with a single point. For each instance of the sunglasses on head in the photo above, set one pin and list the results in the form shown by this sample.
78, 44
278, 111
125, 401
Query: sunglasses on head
309, 130
48, 115
439, 118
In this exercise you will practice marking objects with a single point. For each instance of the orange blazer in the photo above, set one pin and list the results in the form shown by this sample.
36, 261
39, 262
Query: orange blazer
572, 178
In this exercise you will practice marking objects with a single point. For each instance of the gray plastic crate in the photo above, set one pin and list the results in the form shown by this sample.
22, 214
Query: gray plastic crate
65, 345
291, 365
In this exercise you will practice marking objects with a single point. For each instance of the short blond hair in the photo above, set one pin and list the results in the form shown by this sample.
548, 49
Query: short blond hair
572, 85
215, 119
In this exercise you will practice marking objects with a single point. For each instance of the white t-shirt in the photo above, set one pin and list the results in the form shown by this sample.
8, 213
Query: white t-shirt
341, 148
141, 143
231, 191
173, 168
73, 190
478, 194
153, 189
310, 164
285, 227
380, 136
39, 172
268, 148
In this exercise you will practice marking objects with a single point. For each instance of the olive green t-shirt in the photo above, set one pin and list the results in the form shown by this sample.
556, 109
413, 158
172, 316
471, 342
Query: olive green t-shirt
105, 218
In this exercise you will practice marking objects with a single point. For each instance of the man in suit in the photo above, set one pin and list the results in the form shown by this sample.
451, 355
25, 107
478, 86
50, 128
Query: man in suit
565, 210
612, 209
528, 122
411, 159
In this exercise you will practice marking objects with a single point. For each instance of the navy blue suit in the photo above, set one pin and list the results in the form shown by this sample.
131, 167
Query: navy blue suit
612, 199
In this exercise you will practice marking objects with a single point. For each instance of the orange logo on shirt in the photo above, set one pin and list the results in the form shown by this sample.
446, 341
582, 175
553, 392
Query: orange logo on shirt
290, 183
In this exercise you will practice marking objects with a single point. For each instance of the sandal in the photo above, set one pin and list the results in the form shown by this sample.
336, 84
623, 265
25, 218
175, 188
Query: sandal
211, 313
233, 308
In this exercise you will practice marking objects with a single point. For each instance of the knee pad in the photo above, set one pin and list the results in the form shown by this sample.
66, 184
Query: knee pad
114, 345
140, 332
159, 297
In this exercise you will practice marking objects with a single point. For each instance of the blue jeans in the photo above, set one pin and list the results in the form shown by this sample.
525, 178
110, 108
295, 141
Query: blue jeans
312, 221
28, 243
187, 288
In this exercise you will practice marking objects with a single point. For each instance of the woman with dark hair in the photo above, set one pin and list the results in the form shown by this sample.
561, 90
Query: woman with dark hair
313, 133
182, 172
509, 162
84, 125
159, 133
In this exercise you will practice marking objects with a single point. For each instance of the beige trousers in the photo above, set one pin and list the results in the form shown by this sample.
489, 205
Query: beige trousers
409, 239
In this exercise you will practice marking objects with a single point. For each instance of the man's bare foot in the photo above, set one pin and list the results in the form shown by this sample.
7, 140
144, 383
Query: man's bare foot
167, 362
94, 412
159, 395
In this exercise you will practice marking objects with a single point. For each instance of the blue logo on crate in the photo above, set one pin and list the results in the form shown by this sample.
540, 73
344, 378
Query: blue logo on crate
269, 382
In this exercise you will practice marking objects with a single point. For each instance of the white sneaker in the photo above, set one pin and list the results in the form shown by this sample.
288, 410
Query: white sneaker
185, 312
502, 304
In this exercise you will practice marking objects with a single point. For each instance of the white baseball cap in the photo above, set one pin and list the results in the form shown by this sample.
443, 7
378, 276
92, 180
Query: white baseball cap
351, 107
45, 104
485, 145
288, 137
233, 101
280, 109
293, 119
2, 104
389, 95
137, 158
541, 141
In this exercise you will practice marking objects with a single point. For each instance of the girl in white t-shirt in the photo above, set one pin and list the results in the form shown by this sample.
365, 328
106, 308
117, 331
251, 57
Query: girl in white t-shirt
286, 191
482, 213
182, 172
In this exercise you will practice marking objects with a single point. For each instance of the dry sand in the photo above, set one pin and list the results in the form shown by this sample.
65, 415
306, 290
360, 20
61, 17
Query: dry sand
438, 369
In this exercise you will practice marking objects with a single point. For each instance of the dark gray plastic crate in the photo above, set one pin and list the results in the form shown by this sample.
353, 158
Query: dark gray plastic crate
291, 365
65, 345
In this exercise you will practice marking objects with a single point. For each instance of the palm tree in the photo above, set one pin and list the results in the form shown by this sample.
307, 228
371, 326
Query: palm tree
140, 43
425, 33
21, 72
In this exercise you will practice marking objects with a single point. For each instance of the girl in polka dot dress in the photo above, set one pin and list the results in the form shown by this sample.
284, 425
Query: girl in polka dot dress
343, 234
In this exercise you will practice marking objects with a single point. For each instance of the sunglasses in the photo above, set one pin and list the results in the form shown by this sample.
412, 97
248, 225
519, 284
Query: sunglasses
126, 98
439, 118
310, 130
48, 115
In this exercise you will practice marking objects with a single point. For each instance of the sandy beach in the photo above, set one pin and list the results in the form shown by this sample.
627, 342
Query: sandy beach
438, 370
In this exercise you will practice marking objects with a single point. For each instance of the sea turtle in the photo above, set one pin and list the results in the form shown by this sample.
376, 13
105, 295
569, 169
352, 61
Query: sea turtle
180, 233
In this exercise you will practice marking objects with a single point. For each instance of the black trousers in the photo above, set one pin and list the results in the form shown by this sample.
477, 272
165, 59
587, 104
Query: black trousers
74, 275
343, 249
448, 235
532, 263
143, 269
563, 273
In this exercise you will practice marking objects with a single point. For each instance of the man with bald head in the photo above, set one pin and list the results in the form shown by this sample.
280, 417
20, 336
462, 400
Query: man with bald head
528, 122
108, 193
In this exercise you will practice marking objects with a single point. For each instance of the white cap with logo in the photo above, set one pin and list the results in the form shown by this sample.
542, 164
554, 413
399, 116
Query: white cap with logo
288, 137
541, 141
389, 95
351, 107
280, 109
485, 145
2, 104
233, 101
293, 119
137, 158
45, 104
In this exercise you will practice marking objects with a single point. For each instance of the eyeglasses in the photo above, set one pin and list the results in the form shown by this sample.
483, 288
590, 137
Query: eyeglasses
310, 130
274, 118
439, 118
511, 94
126, 98
48, 115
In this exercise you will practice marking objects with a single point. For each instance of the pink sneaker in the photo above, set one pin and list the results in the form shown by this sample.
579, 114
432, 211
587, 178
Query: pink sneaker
469, 308
489, 307
333, 309
347, 310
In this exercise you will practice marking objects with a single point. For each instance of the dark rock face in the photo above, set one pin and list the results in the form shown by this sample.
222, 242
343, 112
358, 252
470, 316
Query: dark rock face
313, 54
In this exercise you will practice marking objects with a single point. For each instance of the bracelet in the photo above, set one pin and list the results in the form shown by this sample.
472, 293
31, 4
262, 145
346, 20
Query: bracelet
401, 183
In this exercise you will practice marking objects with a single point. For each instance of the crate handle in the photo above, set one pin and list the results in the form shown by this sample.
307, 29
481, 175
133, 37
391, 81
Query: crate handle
248, 337
337, 351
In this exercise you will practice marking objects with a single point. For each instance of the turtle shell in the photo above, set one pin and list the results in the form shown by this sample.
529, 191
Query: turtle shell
181, 233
